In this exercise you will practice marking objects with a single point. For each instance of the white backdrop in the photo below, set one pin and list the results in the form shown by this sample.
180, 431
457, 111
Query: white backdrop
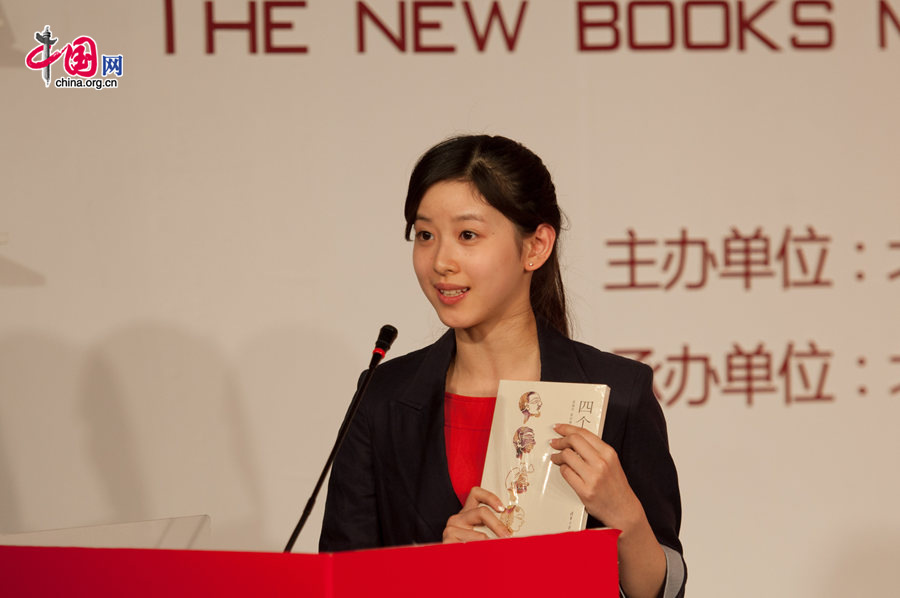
193, 265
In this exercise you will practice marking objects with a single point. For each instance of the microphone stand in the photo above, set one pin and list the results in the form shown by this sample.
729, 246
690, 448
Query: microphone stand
385, 338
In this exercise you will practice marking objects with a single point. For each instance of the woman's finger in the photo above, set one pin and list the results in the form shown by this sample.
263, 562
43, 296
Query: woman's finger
480, 496
581, 446
568, 430
481, 508
590, 446
574, 480
573, 461
468, 519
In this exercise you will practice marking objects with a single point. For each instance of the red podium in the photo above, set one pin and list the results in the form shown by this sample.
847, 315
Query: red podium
536, 565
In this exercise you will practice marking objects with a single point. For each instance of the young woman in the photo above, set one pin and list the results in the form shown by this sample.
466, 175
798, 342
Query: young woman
485, 220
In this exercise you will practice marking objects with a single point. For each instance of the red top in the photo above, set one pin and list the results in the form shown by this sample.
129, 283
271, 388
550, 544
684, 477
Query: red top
467, 429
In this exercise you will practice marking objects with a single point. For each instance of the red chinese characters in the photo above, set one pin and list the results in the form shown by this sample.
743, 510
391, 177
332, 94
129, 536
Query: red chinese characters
748, 374
896, 273
685, 364
681, 254
803, 259
747, 257
804, 374
632, 262
689, 261
79, 57
691, 378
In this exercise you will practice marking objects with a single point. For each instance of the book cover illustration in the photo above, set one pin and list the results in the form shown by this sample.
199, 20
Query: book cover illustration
518, 468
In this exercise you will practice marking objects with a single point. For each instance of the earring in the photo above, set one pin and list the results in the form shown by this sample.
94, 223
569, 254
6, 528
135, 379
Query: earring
530, 263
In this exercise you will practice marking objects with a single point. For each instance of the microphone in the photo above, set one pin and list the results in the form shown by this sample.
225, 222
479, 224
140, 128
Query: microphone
386, 337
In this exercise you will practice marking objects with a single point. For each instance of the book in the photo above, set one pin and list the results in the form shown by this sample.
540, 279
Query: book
518, 468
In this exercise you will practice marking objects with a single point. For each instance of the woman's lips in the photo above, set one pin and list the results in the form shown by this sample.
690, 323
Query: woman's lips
451, 295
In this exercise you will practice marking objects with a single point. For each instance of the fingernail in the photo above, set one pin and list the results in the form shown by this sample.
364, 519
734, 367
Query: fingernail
499, 508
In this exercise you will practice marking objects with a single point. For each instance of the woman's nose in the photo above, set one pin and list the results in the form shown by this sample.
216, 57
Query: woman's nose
444, 259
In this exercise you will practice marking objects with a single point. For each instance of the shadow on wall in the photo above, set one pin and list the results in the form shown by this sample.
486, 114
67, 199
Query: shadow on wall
112, 442
146, 423
167, 433
17, 275
39, 473
10, 517
299, 380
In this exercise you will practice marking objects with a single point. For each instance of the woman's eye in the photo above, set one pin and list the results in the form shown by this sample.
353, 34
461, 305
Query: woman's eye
423, 235
467, 235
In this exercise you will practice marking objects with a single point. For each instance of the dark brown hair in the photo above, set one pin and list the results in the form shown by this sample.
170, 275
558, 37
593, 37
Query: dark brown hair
513, 180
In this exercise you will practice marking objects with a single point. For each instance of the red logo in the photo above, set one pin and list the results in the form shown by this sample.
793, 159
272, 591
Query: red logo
79, 56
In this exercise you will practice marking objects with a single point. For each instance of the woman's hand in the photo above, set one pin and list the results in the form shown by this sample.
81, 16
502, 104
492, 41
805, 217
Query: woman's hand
481, 508
593, 470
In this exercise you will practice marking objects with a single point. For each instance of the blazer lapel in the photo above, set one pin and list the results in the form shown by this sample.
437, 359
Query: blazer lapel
417, 425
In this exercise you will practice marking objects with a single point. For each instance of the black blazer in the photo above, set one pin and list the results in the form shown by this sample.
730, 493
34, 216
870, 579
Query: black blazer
391, 486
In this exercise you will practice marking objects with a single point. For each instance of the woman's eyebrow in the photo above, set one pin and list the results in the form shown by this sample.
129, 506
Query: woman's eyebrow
469, 216
459, 218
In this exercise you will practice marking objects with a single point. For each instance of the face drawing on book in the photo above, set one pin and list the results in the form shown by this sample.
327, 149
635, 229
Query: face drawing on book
513, 517
523, 441
517, 480
530, 405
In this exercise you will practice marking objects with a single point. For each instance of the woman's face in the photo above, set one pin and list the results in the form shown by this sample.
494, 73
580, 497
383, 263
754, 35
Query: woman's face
468, 258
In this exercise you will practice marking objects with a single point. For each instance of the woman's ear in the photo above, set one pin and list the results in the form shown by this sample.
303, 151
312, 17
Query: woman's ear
538, 246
